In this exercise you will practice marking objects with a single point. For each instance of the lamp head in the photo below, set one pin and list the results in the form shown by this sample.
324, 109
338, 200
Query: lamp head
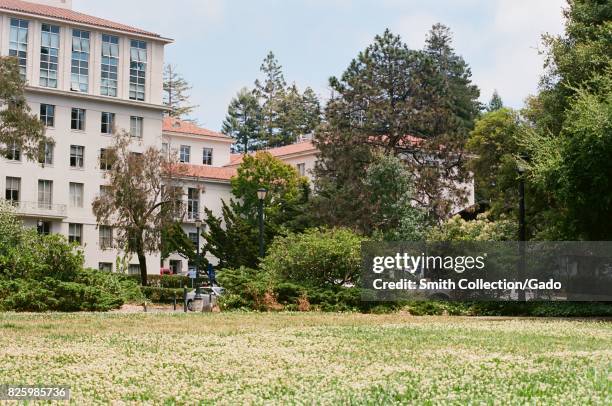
261, 193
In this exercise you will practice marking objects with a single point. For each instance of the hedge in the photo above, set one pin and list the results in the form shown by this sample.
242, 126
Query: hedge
164, 281
162, 295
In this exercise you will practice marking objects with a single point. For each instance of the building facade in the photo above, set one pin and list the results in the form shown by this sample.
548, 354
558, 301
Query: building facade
85, 76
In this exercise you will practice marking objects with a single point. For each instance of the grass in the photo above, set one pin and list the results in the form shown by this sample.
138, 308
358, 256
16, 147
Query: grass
235, 358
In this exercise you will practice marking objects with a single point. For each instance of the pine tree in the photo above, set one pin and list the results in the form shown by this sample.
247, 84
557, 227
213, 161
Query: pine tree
271, 93
244, 121
176, 93
388, 96
495, 103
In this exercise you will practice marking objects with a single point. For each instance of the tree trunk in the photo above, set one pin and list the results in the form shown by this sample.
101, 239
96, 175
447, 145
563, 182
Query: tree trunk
142, 260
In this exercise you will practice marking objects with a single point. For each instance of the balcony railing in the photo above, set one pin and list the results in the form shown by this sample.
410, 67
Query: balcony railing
39, 209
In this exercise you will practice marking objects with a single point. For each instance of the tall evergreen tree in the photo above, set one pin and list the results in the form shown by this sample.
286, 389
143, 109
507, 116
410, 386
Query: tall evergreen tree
495, 103
176, 93
271, 92
244, 121
299, 114
417, 104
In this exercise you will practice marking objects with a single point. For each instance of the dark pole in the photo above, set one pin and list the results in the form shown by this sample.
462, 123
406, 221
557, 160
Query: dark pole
261, 228
198, 291
522, 231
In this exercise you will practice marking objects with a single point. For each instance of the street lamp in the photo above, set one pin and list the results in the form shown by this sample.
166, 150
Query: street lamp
261, 196
198, 224
522, 228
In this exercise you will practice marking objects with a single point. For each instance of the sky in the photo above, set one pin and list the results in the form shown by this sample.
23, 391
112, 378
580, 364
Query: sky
220, 44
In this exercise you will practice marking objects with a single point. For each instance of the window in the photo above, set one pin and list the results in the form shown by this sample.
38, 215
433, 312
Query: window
47, 114
49, 54
110, 64
13, 152
79, 79
165, 148
108, 123
138, 69
47, 158
76, 194
105, 160
207, 156
18, 43
45, 194
134, 269
194, 238
77, 156
106, 237
185, 154
105, 266
77, 121
301, 168
13, 187
193, 203
43, 227
75, 233
136, 124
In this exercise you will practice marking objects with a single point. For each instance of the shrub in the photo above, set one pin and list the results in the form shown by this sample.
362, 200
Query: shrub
162, 295
164, 281
318, 257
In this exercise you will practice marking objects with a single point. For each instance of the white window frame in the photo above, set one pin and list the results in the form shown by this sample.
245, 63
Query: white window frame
49, 55
207, 156
76, 194
185, 154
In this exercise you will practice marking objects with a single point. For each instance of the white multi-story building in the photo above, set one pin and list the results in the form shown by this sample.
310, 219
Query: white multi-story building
84, 75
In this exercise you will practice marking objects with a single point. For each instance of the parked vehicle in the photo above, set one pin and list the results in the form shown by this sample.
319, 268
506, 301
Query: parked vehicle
208, 294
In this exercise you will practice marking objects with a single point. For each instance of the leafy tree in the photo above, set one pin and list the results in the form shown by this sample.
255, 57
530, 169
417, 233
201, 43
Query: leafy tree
390, 187
496, 144
262, 170
143, 198
176, 95
18, 126
417, 104
244, 121
233, 237
495, 103
570, 139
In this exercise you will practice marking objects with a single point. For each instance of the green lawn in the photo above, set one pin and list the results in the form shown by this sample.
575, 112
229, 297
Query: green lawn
309, 358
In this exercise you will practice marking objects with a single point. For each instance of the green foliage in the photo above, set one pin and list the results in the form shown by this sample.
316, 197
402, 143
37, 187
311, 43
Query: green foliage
495, 103
45, 273
244, 121
496, 144
18, 126
175, 240
318, 257
162, 295
390, 187
404, 102
481, 229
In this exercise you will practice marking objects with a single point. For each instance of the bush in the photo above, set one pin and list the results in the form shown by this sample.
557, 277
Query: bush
164, 281
318, 258
161, 295
90, 291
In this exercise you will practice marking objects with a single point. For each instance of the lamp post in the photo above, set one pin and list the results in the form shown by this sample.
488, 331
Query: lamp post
261, 196
522, 229
198, 224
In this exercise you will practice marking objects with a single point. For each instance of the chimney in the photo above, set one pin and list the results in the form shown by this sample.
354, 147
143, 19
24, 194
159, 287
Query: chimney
55, 3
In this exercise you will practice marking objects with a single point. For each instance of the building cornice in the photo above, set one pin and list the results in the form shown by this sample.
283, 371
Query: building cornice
198, 136
91, 97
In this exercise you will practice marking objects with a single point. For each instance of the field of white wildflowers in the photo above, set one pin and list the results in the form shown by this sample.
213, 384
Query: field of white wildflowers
308, 358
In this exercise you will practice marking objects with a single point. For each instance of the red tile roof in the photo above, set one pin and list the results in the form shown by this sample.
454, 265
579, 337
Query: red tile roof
206, 172
187, 127
68, 15
300, 147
